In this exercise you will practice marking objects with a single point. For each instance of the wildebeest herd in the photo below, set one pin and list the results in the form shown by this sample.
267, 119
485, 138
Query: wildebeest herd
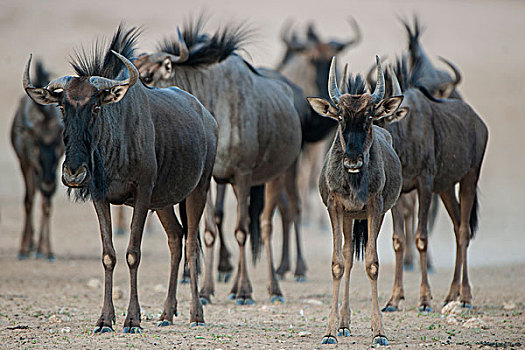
151, 131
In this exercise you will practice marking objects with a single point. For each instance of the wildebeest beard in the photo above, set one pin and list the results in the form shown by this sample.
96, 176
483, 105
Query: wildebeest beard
358, 184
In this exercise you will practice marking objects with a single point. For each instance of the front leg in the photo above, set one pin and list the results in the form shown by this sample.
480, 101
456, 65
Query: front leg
375, 219
109, 260
133, 254
338, 268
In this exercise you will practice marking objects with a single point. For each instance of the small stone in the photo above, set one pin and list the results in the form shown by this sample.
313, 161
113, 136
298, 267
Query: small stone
452, 320
54, 319
475, 322
314, 302
509, 306
305, 334
65, 330
117, 293
454, 307
94, 283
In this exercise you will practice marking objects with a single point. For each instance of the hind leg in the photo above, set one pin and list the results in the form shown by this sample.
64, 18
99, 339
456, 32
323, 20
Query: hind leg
451, 204
399, 243
210, 233
225, 267
44, 244
174, 232
284, 209
121, 226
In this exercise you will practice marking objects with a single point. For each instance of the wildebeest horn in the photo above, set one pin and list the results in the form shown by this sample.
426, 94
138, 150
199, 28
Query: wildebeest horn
333, 90
45, 95
396, 89
357, 38
379, 91
454, 69
27, 79
184, 53
343, 85
290, 39
101, 83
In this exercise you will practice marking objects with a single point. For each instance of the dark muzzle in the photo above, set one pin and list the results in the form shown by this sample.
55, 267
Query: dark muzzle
75, 176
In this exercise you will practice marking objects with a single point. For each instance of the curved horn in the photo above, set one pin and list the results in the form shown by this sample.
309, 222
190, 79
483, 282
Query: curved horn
454, 69
46, 95
333, 90
184, 53
379, 91
101, 83
344, 83
311, 34
396, 89
27, 79
358, 37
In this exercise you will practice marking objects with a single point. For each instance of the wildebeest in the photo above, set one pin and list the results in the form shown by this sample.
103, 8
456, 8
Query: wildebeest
259, 130
360, 181
36, 136
440, 143
306, 63
130, 144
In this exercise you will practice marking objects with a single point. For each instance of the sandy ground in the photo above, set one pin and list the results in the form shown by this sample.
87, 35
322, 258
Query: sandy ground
59, 309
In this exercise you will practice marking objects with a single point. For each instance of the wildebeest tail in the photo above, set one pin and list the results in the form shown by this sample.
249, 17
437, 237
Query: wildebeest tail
474, 216
360, 238
255, 210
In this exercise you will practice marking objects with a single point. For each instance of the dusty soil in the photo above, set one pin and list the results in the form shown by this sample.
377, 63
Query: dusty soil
50, 305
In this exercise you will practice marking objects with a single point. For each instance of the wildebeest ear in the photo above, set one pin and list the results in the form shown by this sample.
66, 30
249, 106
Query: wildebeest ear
387, 106
323, 107
397, 115
44, 96
167, 67
115, 94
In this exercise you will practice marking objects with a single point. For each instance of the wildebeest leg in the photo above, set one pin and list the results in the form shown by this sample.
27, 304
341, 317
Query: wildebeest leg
26, 245
109, 260
421, 238
338, 269
174, 232
409, 212
274, 190
120, 221
44, 244
133, 255
399, 244
295, 210
467, 197
243, 287
225, 267
450, 201
195, 206
375, 219
284, 209
348, 254
210, 234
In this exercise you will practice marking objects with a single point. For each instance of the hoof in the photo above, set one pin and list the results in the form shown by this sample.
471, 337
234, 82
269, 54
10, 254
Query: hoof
205, 301
51, 258
300, 279
224, 276
104, 329
466, 306
244, 301
23, 256
381, 340
232, 296
425, 308
120, 232
133, 330
389, 308
277, 298
184, 280
197, 324
164, 323
343, 332
329, 339
408, 267
39, 255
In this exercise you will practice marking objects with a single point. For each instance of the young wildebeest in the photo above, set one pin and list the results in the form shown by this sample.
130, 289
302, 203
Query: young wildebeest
440, 143
306, 63
259, 131
36, 136
130, 144
360, 181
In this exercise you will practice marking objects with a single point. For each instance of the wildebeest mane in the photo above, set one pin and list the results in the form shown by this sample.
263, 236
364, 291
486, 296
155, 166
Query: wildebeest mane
355, 85
203, 49
100, 61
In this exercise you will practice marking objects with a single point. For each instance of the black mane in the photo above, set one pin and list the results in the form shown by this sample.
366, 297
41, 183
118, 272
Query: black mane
204, 49
99, 61
354, 85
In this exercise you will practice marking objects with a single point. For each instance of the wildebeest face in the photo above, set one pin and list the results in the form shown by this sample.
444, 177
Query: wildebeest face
355, 114
81, 101
154, 68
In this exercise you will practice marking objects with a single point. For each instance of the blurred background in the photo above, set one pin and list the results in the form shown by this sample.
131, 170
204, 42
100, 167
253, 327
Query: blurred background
483, 38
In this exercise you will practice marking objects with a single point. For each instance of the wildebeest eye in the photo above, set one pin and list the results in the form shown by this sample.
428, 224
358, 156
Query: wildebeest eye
96, 109
61, 108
